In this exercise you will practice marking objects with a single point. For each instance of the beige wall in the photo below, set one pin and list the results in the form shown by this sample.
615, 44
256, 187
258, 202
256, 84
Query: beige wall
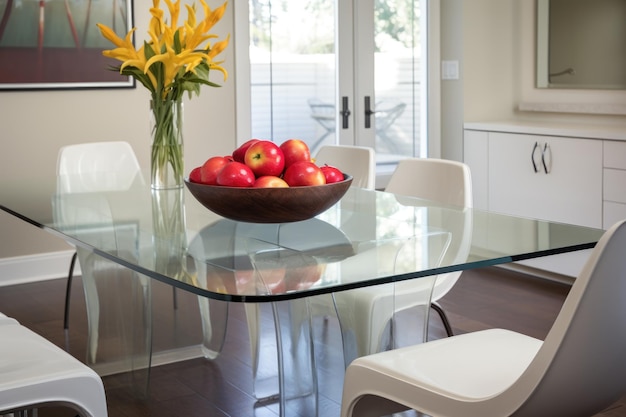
35, 125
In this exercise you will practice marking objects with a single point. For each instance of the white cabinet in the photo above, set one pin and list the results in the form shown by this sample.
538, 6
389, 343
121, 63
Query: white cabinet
532, 172
546, 177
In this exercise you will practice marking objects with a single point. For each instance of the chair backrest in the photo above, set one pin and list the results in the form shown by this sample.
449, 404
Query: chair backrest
358, 161
441, 180
96, 166
447, 182
580, 367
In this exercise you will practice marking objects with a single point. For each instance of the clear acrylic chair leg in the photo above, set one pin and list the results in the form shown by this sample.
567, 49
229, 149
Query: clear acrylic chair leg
119, 313
214, 317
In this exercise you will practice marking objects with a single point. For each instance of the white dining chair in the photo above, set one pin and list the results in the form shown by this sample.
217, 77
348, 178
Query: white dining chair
367, 315
86, 172
82, 166
358, 161
440, 180
36, 373
578, 370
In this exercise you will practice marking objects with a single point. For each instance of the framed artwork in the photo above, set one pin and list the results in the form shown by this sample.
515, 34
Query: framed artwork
55, 44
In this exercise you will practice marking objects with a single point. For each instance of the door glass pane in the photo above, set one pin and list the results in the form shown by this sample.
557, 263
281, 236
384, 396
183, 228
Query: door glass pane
292, 58
399, 66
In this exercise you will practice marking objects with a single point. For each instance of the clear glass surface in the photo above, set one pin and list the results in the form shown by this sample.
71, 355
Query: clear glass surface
368, 238
388, 249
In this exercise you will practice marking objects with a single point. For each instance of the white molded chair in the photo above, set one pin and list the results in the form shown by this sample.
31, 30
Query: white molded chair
578, 370
35, 372
86, 173
358, 161
83, 166
367, 315
447, 182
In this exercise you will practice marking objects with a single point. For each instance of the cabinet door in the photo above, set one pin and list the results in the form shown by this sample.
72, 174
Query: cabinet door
475, 155
571, 189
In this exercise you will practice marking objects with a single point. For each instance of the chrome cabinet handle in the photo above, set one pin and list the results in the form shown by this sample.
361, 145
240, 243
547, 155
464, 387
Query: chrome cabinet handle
547, 149
532, 157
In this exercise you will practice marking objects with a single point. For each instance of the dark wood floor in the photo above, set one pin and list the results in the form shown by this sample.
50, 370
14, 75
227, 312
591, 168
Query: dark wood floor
198, 387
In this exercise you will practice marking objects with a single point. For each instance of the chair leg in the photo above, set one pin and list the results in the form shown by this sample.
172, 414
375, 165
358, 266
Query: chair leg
444, 318
68, 291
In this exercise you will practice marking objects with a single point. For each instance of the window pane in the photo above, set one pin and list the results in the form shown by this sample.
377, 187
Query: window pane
292, 56
398, 79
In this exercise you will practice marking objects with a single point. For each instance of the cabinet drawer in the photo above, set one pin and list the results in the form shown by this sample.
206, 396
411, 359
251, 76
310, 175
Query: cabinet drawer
613, 212
614, 188
614, 154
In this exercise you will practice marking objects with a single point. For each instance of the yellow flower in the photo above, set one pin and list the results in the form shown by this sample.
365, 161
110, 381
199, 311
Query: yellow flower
173, 57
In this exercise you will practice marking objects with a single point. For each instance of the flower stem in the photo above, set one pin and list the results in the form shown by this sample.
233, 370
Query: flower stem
167, 143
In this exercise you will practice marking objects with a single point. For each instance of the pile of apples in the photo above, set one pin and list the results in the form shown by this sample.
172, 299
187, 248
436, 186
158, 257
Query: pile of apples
262, 163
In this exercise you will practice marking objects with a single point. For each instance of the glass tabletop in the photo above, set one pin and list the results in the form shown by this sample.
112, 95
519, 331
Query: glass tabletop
367, 238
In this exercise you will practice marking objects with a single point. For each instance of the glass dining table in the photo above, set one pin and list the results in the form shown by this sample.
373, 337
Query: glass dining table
371, 254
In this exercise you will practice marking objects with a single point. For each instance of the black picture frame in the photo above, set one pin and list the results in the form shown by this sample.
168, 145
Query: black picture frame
55, 44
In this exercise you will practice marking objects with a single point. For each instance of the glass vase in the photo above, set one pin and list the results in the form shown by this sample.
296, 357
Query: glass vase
166, 158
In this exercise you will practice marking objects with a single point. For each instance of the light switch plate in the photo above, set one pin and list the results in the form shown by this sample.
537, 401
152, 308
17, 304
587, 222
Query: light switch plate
449, 70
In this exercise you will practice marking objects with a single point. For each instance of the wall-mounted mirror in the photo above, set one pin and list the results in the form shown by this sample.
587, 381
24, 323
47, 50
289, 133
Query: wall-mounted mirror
581, 44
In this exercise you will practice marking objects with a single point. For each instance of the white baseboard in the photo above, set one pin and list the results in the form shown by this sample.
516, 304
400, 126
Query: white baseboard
34, 268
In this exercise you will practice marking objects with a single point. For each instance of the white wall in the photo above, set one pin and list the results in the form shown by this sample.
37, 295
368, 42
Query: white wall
35, 124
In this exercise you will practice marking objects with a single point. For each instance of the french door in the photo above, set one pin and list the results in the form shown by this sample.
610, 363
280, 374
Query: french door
349, 72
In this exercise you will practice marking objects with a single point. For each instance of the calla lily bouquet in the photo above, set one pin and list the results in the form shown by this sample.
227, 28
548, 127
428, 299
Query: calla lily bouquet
175, 59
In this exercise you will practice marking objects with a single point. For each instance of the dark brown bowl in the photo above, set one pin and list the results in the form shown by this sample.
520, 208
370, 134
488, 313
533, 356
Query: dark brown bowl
269, 205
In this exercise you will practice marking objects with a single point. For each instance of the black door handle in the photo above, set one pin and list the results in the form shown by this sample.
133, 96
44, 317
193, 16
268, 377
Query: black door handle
345, 112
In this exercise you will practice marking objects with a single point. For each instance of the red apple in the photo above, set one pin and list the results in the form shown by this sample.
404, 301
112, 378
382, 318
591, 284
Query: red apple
235, 174
210, 169
195, 175
265, 158
270, 181
240, 153
304, 173
295, 150
332, 174
273, 280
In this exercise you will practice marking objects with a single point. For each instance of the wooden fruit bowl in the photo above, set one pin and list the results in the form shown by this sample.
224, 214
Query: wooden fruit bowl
269, 205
